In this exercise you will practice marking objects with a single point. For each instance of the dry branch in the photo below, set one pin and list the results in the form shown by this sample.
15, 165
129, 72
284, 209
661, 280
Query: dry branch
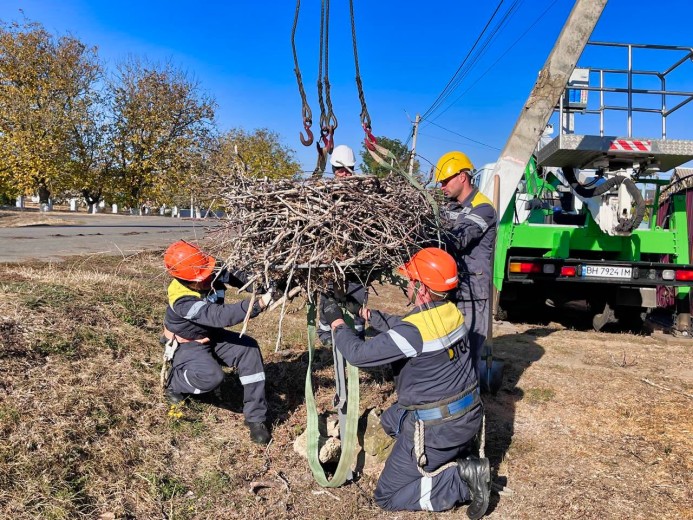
316, 231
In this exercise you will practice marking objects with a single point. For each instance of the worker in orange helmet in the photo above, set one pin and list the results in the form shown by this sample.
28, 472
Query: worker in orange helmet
438, 411
197, 340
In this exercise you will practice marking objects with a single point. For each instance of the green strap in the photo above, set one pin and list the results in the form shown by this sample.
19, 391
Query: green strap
348, 437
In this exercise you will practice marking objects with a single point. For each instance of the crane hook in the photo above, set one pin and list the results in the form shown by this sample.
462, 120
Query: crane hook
306, 141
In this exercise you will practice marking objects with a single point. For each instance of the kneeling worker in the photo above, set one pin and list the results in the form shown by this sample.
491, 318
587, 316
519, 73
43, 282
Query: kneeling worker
438, 412
196, 317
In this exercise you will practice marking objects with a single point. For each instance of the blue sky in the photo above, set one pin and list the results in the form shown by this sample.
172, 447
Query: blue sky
240, 52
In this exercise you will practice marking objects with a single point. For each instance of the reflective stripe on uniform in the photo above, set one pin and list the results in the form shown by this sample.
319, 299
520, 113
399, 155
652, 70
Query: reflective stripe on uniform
447, 341
194, 309
253, 378
195, 390
479, 221
402, 344
426, 488
452, 215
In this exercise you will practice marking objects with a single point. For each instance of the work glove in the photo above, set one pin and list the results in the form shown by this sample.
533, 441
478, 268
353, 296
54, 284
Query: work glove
331, 311
266, 299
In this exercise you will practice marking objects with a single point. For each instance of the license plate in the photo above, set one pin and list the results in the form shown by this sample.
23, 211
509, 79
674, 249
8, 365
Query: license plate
606, 271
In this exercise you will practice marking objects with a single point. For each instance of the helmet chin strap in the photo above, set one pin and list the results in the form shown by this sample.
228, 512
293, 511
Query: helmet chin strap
417, 288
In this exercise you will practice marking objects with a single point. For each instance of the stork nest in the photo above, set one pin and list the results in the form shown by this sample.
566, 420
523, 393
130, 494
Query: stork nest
316, 231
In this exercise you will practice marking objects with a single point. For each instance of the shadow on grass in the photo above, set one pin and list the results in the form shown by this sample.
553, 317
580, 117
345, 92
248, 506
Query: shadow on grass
518, 351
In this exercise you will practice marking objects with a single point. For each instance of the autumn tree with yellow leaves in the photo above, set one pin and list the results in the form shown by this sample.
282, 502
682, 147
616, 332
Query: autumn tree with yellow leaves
47, 87
159, 118
261, 152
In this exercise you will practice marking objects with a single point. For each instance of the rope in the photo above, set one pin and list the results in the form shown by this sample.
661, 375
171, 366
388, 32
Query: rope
331, 118
306, 112
321, 101
328, 121
365, 117
421, 460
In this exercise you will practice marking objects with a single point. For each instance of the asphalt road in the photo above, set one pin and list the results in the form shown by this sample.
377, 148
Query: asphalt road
69, 234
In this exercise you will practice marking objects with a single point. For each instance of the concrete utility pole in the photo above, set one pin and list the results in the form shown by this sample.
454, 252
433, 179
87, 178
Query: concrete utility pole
547, 90
413, 144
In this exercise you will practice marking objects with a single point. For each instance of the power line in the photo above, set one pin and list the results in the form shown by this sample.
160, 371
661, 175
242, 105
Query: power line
463, 136
442, 93
499, 58
482, 50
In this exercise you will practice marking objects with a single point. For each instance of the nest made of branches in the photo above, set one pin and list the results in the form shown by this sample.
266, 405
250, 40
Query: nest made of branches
316, 231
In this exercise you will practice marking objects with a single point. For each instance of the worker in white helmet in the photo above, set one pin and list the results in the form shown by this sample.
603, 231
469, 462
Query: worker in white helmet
343, 162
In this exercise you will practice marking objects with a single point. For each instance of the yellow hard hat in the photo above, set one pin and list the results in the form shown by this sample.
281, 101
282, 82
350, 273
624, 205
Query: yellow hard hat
451, 164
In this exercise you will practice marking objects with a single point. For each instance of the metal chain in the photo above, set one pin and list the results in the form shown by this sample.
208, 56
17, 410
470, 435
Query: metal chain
365, 117
306, 112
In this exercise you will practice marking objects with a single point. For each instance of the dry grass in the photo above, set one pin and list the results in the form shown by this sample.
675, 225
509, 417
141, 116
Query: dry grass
27, 218
84, 433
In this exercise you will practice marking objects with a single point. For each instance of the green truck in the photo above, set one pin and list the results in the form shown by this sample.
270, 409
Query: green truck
594, 221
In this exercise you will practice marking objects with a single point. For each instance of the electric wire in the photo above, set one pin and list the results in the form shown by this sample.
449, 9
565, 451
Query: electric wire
442, 93
481, 52
464, 136
499, 59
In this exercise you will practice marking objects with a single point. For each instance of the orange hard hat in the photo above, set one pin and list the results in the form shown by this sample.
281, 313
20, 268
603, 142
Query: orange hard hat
188, 262
433, 267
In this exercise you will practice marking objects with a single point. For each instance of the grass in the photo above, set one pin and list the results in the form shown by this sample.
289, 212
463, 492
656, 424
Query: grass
85, 434
539, 395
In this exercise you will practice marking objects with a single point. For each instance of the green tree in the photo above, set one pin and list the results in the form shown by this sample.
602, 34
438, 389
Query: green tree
159, 116
261, 151
46, 87
397, 148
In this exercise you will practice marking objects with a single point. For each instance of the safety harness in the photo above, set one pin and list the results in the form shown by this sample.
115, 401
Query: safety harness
453, 407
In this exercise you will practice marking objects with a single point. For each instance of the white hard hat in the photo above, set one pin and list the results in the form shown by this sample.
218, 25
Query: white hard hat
343, 157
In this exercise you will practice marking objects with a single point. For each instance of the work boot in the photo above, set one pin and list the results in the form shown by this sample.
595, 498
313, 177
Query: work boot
476, 473
173, 397
258, 432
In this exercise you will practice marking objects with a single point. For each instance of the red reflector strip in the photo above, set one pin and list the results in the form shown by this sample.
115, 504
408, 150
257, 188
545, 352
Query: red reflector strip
524, 267
684, 276
567, 270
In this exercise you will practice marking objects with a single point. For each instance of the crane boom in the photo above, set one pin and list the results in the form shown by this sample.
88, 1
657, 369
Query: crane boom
542, 99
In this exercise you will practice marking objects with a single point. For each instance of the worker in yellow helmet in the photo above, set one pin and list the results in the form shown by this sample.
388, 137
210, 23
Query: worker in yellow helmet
471, 221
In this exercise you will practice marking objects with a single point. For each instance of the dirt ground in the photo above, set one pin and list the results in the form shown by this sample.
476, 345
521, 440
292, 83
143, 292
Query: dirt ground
586, 425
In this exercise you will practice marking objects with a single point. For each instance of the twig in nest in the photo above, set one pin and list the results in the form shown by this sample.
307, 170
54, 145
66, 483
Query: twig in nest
328, 226
247, 315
